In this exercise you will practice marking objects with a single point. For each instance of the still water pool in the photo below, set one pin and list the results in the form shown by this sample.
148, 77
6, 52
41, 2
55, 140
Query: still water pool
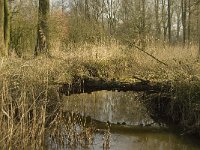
127, 108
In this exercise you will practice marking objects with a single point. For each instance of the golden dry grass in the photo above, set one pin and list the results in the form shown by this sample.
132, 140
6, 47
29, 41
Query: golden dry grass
28, 85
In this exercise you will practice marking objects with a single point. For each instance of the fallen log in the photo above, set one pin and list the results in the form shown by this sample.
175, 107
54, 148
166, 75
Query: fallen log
91, 84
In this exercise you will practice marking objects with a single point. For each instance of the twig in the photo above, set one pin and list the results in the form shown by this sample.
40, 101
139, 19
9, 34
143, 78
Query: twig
143, 80
148, 54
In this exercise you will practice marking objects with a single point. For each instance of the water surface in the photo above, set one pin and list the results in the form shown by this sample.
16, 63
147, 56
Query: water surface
127, 108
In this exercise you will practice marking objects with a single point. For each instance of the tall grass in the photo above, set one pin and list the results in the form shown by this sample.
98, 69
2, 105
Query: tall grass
31, 114
23, 105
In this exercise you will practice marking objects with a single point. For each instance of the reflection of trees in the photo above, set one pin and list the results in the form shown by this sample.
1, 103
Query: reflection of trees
109, 106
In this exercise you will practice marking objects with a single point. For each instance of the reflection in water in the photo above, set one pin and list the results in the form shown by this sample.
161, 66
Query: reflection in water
119, 107
110, 106
147, 141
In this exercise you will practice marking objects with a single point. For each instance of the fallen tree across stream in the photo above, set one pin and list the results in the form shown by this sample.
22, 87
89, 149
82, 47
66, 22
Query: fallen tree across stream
91, 84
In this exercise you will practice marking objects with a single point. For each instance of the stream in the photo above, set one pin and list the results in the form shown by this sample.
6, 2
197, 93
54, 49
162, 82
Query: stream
127, 108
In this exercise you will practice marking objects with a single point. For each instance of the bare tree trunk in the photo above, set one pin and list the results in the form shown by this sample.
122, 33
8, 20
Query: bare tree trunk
164, 20
110, 15
169, 20
199, 27
6, 26
43, 29
63, 7
86, 10
2, 28
183, 6
143, 24
125, 13
178, 26
189, 20
102, 14
157, 19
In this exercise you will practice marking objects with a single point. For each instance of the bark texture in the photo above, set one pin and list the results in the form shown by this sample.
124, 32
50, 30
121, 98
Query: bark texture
6, 27
1, 27
42, 46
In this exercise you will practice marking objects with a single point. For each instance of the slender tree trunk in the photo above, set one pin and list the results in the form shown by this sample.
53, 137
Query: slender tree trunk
164, 20
102, 14
86, 10
169, 20
157, 19
183, 5
6, 26
143, 24
189, 20
199, 27
63, 7
178, 26
43, 28
2, 46
125, 15
110, 16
